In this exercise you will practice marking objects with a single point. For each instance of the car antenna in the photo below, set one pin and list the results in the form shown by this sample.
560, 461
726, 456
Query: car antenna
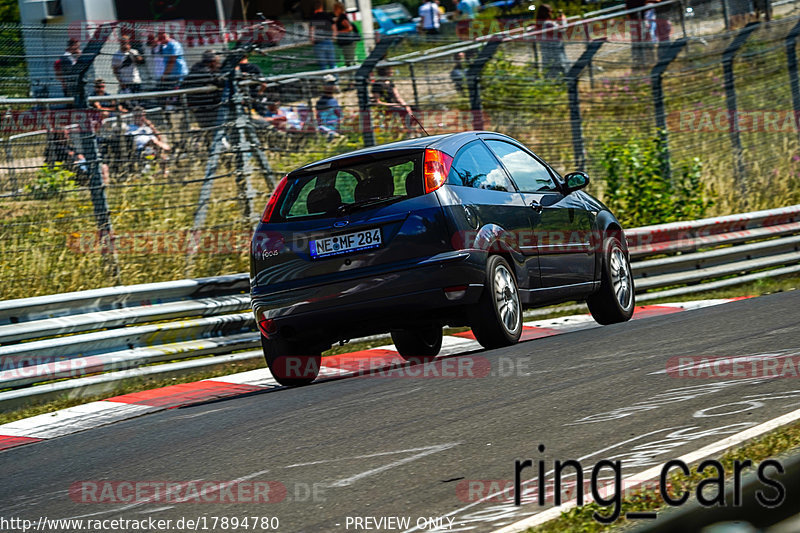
420, 124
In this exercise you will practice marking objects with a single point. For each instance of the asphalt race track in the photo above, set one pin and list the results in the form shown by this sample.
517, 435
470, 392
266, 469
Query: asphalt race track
409, 447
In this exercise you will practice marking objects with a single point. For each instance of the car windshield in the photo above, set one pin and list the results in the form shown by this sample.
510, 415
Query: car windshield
349, 188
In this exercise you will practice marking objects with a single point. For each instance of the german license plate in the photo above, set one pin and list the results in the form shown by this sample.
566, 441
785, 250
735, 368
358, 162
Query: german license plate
342, 244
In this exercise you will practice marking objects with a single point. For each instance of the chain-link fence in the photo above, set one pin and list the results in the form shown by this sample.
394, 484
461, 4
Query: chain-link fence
149, 186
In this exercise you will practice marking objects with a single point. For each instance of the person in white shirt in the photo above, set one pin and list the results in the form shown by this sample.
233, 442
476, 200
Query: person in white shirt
430, 15
125, 64
145, 135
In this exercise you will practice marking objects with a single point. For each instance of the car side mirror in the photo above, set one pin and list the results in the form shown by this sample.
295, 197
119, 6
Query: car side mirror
575, 181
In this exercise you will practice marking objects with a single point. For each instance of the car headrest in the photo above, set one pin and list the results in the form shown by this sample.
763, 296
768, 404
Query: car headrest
379, 184
323, 200
414, 184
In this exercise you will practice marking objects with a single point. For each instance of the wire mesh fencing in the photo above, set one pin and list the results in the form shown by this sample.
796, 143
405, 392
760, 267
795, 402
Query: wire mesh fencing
152, 183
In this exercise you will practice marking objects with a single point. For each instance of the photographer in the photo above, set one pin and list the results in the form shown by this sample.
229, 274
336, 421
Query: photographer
125, 64
205, 106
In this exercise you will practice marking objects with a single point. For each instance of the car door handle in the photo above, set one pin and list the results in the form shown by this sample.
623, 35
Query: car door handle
536, 206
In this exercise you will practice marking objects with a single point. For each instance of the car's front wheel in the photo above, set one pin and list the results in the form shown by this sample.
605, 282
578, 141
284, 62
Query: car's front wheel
290, 363
419, 344
615, 300
496, 319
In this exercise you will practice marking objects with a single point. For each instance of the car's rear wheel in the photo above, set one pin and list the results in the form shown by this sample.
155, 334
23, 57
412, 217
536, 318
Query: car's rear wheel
290, 363
418, 345
614, 300
496, 319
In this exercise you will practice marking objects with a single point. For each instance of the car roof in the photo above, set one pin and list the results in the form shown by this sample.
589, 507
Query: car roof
417, 143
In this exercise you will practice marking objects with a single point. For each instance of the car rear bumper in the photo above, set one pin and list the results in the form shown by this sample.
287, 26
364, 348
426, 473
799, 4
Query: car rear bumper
374, 303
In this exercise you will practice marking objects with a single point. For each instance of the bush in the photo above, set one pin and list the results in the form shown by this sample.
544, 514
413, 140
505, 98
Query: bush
639, 191
51, 182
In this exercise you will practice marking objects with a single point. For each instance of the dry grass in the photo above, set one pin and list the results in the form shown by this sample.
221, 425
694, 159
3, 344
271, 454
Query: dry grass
36, 256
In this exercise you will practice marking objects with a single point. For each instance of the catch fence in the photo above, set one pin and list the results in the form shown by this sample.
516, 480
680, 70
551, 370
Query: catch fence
671, 111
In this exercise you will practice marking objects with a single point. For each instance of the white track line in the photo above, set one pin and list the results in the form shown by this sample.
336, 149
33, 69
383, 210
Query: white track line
74, 419
651, 473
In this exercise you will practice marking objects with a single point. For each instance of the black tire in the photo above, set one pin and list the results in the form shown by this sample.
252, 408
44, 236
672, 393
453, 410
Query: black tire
615, 299
290, 364
496, 319
418, 345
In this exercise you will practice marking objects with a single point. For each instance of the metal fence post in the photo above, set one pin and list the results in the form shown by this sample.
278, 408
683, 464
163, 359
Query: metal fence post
474, 78
667, 55
726, 15
572, 77
362, 87
91, 150
682, 8
12, 175
730, 99
414, 84
791, 60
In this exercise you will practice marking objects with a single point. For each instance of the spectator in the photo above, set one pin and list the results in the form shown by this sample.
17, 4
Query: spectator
256, 90
175, 68
430, 17
346, 34
106, 107
273, 115
459, 73
329, 112
322, 33
146, 138
663, 27
205, 105
554, 58
64, 67
639, 30
60, 150
125, 64
384, 93
248, 68
740, 12
155, 60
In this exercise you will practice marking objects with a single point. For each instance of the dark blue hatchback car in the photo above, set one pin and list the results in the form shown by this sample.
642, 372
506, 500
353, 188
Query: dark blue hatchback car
464, 229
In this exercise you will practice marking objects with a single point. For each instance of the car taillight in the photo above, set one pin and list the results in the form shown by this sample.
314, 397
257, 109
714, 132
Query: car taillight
268, 327
435, 169
273, 200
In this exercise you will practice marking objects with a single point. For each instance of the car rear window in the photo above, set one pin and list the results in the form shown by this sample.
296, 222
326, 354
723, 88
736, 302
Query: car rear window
348, 186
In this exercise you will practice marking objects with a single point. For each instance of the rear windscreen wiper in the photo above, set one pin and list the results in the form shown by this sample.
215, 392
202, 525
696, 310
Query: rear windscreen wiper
347, 208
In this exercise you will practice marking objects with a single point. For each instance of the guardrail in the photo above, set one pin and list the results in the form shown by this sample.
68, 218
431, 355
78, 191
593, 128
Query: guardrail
80, 343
